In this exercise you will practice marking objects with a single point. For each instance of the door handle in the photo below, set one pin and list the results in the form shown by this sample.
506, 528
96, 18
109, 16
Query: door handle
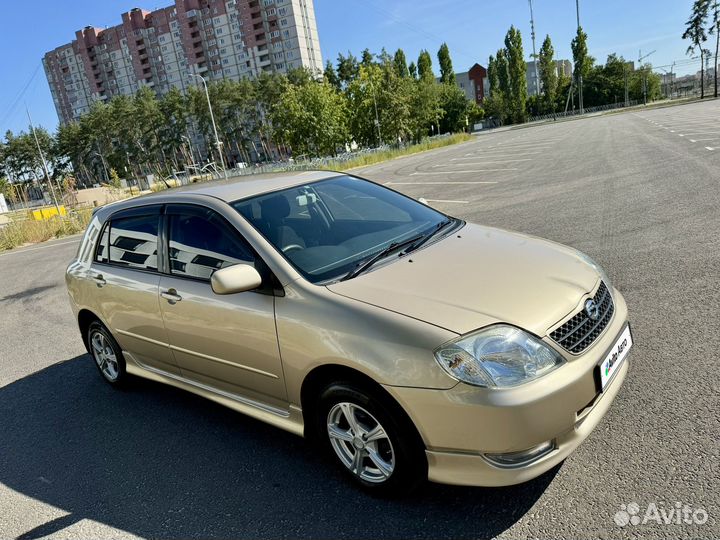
98, 279
171, 296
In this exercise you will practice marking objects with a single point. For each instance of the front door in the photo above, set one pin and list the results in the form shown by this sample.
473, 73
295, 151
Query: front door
228, 342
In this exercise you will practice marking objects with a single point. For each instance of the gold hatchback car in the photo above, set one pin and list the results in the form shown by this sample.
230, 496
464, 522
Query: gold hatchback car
409, 344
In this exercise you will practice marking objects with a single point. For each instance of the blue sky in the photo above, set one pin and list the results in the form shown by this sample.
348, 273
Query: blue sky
473, 29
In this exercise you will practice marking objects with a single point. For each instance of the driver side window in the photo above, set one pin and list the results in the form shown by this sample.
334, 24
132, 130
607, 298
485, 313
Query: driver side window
201, 242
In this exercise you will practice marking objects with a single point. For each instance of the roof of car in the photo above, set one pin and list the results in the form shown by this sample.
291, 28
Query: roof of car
241, 187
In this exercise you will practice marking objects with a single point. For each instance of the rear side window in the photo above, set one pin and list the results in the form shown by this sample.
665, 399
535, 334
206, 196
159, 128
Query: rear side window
200, 242
133, 242
102, 252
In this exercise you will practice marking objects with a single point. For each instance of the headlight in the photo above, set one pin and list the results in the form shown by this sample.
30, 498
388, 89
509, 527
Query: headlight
597, 268
498, 356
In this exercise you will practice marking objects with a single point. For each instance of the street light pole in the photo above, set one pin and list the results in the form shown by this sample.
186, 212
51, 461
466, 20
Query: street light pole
44, 163
535, 58
212, 119
580, 79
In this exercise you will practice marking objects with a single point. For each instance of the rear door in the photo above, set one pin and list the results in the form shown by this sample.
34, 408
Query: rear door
125, 270
228, 342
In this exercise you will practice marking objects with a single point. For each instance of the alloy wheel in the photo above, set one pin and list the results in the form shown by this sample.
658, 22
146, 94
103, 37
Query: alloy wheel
104, 356
361, 442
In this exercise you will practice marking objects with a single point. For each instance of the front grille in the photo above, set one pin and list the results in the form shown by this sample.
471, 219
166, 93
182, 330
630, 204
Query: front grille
580, 331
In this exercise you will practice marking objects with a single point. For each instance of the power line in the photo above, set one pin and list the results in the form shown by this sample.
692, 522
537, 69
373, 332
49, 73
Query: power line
15, 103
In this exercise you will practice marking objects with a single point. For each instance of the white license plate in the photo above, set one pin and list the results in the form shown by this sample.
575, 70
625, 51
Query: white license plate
615, 357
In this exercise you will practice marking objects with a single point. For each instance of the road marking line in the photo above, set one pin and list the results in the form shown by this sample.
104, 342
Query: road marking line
431, 173
489, 160
25, 250
446, 201
481, 154
710, 139
434, 183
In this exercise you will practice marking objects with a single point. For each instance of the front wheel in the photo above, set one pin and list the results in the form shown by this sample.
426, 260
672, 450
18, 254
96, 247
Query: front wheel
371, 438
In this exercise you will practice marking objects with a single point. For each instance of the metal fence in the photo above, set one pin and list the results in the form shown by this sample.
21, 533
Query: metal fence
588, 110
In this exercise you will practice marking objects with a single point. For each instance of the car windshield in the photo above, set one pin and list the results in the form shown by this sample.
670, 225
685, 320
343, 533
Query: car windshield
327, 229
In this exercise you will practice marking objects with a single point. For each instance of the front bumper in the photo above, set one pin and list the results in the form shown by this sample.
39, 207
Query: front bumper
463, 423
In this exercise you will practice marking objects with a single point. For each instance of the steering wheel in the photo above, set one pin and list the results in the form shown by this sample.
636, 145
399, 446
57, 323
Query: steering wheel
291, 247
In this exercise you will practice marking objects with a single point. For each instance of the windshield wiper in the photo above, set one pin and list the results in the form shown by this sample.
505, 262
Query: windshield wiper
440, 226
367, 263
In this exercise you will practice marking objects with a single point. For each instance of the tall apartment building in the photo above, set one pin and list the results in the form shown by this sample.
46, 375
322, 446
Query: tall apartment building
218, 39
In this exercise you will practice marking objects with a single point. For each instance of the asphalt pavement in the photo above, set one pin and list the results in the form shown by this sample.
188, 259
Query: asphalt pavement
638, 191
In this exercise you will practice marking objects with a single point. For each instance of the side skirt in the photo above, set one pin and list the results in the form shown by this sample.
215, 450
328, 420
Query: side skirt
289, 420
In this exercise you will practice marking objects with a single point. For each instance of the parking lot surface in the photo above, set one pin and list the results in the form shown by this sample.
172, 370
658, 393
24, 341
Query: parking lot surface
638, 191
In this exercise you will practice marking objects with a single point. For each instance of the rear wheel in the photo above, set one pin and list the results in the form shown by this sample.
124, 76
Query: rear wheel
106, 353
370, 438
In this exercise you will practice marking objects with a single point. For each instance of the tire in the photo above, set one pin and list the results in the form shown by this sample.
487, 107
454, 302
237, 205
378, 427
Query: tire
393, 464
106, 354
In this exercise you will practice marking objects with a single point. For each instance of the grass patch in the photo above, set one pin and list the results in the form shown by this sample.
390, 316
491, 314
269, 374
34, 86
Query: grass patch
28, 231
392, 153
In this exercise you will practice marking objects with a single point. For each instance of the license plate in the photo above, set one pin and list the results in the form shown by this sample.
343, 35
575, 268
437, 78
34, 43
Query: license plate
607, 369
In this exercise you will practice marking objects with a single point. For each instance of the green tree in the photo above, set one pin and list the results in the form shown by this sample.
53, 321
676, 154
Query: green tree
401, 67
331, 75
548, 75
493, 101
517, 80
582, 62
424, 66
447, 75
347, 68
312, 119
367, 58
456, 108
426, 107
715, 30
412, 70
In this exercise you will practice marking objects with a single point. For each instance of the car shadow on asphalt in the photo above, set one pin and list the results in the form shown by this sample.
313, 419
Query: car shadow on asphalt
159, 462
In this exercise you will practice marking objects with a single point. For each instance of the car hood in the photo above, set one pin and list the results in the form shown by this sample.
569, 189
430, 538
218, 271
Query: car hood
479, 276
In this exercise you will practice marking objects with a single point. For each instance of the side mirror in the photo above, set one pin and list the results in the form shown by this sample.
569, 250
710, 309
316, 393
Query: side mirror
235, 279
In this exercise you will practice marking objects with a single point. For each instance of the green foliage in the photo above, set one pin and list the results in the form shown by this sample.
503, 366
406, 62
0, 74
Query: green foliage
347, 67
412, 69
447, 75
548, 77
696, 33
424, 66
582, 62
456, 108
311, 118
401, 67
115, 179
331, 76
517, 95
494, 103
367, 58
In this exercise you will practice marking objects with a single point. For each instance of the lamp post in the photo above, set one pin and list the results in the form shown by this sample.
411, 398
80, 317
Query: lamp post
212, 119
44, 163
580, 79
